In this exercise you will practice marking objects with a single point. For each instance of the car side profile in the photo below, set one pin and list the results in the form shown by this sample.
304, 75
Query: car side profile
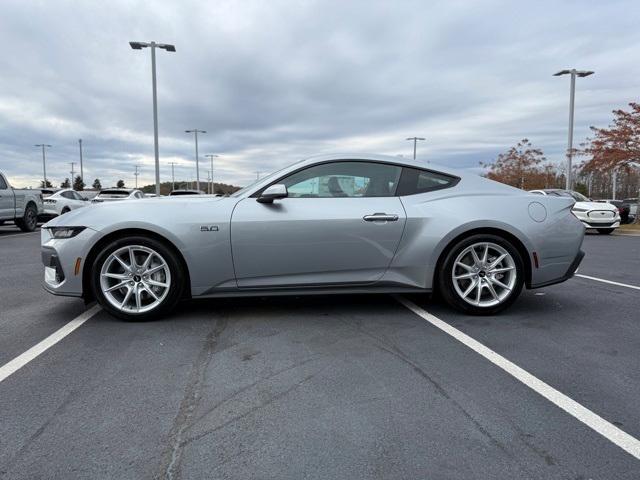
327, 224
62, 201
20, 206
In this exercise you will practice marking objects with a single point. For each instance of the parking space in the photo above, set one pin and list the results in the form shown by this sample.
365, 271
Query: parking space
321, 387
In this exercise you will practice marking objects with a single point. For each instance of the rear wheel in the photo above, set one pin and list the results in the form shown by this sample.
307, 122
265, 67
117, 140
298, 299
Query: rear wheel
65, 210
605, 231
481, 275
29, 220
137, 278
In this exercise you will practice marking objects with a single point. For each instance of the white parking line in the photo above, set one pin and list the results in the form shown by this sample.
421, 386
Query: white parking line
21, 360
18, 234
611, 282
609, 431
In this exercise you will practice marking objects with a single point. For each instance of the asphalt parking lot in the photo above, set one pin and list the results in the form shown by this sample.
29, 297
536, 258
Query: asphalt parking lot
322, 387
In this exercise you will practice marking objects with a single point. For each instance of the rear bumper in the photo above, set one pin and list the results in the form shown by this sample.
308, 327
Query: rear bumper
569, 273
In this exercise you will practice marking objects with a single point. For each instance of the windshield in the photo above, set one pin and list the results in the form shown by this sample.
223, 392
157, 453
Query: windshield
578, 197
263, 179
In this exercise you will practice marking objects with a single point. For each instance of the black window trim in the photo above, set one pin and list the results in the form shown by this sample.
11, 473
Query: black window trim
454, 181
454, 178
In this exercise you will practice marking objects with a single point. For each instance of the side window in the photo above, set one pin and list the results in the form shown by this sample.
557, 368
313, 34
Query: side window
77, 196
3, 184
68, 195
344, 179
415, 181
139, 195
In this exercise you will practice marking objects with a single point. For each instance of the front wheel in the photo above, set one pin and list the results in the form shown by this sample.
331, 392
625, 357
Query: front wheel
29, 220
605, 231
137, 278
481, 275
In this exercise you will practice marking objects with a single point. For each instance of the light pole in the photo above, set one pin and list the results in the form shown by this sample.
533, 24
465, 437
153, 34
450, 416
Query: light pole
173, 177
168, 48
44, 162
574, 73
136, 175
257, 175
415, 142
195, 132
81, 169
211, 156
72, 173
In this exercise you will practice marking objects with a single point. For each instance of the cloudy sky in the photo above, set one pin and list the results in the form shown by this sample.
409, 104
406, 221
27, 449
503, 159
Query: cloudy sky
274, 81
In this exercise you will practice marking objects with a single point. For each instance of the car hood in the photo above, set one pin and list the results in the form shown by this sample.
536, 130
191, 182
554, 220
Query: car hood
595, 206
100, 215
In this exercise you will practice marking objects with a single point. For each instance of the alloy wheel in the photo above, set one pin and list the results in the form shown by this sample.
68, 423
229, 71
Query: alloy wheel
135, 279
484, 274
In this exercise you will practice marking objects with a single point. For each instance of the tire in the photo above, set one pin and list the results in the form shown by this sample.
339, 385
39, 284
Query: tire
605, 231
133, 298
29, 220
65, 210
494, 297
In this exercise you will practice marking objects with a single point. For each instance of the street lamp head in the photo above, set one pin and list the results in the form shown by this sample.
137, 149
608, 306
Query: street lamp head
138, 45
167, 47
578, 73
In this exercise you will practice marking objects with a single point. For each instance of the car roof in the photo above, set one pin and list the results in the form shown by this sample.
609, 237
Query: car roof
406, 161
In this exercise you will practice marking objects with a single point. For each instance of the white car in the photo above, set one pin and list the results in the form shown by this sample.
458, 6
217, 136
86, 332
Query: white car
603, 217
62, 201
111, 194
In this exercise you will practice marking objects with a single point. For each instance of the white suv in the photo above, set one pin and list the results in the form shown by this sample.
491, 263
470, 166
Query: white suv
603, 217
63, 201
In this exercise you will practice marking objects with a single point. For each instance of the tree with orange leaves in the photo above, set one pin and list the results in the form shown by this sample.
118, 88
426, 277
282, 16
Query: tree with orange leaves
616, 147
520, 167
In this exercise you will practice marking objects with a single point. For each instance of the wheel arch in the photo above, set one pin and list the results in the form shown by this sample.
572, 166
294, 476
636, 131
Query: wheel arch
512, 238
87, 293
32, 203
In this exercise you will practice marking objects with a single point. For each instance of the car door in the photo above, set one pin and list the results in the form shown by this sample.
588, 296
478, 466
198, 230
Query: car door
6, 200
78, 201
340, 225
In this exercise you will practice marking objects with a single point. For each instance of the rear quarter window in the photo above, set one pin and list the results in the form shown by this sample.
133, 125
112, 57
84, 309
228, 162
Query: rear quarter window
415, 180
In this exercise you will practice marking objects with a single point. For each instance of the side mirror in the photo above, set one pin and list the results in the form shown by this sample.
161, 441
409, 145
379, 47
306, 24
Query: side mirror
274, 192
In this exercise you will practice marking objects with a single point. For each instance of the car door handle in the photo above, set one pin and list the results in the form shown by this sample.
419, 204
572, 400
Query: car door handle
380, 217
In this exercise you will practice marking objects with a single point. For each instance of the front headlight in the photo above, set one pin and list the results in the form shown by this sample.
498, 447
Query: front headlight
64, 232
576, 209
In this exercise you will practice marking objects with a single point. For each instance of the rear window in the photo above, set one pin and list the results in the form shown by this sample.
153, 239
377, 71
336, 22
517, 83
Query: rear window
414, 181
3, 184
113, 194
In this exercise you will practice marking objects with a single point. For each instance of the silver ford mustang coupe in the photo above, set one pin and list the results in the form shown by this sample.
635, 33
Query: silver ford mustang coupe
327, 224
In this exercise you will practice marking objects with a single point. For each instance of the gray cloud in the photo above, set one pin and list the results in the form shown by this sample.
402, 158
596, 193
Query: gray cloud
275, 81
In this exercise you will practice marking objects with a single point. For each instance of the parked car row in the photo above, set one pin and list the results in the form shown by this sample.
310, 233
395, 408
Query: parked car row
602, 215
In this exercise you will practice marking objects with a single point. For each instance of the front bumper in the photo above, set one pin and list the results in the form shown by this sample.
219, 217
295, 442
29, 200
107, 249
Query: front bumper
614, 224
595, 222
59, 257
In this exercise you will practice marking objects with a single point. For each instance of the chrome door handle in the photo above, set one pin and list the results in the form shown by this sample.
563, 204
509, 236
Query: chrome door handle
380, 217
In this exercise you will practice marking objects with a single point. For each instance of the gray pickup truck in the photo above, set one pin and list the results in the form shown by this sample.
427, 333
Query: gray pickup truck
19, 206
